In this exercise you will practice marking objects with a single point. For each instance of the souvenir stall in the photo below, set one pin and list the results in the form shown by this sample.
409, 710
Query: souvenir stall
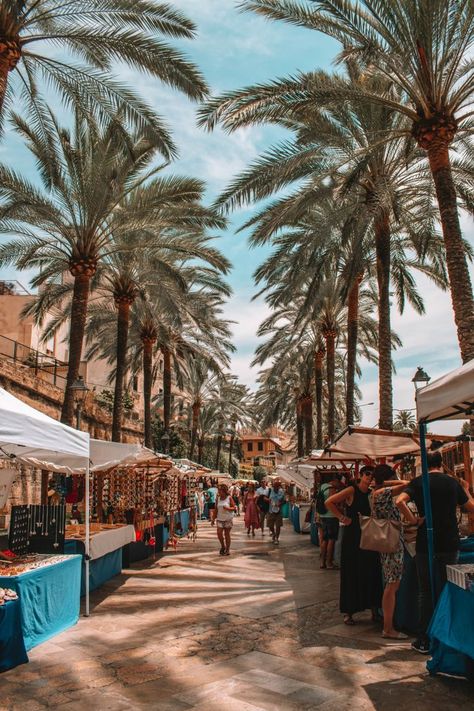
452, 626
298, 479
123, 508
47, 583
181, 494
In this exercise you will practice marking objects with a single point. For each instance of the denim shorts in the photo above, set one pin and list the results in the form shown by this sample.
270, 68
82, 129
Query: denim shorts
330, 528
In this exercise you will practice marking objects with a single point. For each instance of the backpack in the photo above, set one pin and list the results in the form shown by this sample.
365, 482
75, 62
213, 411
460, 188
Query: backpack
320, 502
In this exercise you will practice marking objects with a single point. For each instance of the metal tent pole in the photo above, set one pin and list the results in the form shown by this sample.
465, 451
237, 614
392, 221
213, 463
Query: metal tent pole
427, 503
87, 541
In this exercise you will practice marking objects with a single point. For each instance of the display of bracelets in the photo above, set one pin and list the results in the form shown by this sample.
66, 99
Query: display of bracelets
7, 594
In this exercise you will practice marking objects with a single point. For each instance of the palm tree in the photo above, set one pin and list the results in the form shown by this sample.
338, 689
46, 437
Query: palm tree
422, 49
98, 33
405, 421
343, 144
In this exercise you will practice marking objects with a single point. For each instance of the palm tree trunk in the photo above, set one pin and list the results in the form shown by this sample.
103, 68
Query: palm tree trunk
123, 321
382, 248
352, 337
194, 429
318, 377
166, 387
200, 449
218, 451
10, 55
307, 412
299, 428
77, 327
147, 384
231, 447
330, 338
458, 272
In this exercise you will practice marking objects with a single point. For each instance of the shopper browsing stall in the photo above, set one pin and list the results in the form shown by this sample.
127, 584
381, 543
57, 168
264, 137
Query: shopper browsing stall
275, 518
446, 495
211, 496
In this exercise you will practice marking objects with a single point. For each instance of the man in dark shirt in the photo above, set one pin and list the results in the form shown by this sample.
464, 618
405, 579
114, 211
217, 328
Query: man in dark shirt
446, 495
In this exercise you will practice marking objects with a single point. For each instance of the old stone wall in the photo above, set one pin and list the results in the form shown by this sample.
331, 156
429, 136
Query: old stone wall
22, 382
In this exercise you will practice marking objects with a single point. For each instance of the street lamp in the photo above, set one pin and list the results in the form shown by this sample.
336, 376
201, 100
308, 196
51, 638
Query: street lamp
421, 378
165, 441
79, 390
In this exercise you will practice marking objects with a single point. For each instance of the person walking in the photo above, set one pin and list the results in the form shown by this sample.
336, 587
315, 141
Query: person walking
446, 495
383, 507
275, 518
263, 503
251, 519
328, 521
361, 574
211, 496
235, 493
225, 509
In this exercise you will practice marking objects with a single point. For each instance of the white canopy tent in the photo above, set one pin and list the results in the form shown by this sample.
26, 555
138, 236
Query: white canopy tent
450, 397
36, 439
299, 473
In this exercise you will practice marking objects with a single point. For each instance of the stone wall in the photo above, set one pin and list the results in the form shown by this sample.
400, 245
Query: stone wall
22, 382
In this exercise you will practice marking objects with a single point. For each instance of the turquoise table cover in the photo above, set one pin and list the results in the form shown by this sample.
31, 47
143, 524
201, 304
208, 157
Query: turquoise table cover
12, 646
452, 633
49, 599
100, 570
295, 517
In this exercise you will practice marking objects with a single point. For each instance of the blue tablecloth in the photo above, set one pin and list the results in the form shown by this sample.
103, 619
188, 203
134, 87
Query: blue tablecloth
295, 517
466, 550
406, 610
314, 529
49, 599
100, 569
452, 633
182, 516
286, 510
12, 646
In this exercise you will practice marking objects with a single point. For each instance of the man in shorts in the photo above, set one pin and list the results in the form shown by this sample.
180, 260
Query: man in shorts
329, 525
275, 518
263, 503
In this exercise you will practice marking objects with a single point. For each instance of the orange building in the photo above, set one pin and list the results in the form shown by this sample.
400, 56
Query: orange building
267, 449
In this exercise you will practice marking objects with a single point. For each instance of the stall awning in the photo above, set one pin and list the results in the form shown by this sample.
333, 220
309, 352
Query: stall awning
295, 473
37, 439
364, 442
449, 397
108, 455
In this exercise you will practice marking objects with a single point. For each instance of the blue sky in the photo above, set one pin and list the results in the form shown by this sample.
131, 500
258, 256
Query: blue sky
235, 49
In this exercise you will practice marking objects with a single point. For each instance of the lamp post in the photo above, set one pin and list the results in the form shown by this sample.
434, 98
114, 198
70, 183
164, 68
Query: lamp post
165, 441
80, 390
421, 378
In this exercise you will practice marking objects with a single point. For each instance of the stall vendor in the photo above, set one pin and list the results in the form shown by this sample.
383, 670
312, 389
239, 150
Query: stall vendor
446, 495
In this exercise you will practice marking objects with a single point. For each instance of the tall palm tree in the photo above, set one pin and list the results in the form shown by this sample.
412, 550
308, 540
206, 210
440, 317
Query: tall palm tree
423, 49
98, 33
344, 144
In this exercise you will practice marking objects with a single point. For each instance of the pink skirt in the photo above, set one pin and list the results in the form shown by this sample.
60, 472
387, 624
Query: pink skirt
251, 514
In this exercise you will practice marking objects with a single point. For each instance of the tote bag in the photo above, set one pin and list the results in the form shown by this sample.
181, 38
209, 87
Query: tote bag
379, 534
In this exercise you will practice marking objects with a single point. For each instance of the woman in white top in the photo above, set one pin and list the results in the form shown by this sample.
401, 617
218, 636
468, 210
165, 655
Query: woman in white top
225, 513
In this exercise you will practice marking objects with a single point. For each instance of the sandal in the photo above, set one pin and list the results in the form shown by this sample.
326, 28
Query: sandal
222, 551
348, 620
332, 567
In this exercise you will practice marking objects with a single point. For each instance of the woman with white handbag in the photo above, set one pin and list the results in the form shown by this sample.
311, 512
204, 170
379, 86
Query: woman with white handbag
383, 531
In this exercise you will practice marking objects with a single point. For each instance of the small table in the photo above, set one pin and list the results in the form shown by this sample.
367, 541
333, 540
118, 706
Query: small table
452, 633
105, 553
49, 598
12, 646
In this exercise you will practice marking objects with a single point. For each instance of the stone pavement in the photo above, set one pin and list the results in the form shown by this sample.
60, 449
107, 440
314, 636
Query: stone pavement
257, 630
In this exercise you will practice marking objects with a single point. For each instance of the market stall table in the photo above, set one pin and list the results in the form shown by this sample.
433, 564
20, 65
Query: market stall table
105, 552
12, 646
49, 597
452, 633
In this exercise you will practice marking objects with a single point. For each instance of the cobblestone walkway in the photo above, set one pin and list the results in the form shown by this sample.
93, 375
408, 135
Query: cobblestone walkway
257, 630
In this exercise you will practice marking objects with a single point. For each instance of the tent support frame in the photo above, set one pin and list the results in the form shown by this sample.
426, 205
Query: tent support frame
427, 505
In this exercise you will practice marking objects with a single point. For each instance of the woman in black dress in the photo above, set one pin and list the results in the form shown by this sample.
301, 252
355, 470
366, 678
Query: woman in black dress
361, 573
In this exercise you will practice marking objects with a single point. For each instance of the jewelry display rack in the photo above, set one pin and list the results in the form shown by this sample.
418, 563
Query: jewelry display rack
37, 528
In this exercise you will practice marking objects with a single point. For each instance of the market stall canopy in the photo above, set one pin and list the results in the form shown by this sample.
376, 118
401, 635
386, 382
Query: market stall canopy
109, 455
295, 473
320, 458
450, 397
367, 443
39, 440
